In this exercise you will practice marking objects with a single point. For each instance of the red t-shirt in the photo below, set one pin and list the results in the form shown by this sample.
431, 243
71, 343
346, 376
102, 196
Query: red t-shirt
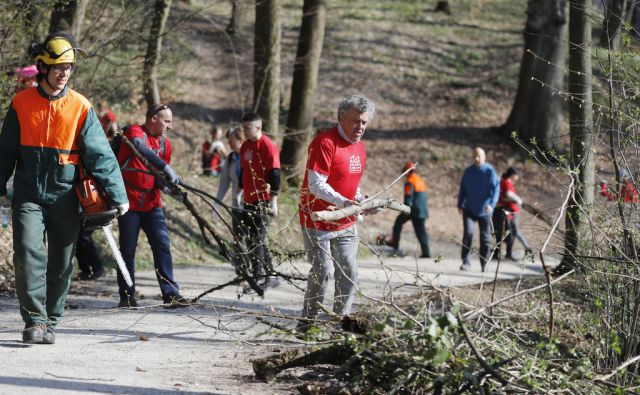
343, 162
507, 186
257, 159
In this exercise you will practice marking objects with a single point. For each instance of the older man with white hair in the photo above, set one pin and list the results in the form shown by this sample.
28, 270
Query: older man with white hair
335, 165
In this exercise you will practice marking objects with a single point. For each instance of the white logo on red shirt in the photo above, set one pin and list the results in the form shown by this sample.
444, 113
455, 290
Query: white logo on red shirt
354, 164
248, 155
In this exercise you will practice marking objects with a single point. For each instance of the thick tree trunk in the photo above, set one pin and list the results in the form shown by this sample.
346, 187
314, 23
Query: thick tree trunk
266, 80
63, 15
305, 80
581, 130
537, 109
616, 14
154, 47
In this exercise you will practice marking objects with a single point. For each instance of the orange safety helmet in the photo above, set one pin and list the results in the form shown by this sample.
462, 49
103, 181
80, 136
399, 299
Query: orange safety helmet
407, 166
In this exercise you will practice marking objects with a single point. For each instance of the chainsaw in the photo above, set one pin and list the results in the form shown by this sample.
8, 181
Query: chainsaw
96, 213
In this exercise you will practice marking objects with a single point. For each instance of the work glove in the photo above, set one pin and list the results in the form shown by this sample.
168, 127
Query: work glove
4, 201
173, 176
122, 208
273, 205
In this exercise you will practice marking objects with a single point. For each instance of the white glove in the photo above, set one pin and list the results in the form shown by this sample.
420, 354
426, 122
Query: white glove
122, 209
273, 206
4, 201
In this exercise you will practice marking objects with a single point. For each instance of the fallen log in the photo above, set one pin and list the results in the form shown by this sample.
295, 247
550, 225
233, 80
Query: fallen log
267, 368
334, 215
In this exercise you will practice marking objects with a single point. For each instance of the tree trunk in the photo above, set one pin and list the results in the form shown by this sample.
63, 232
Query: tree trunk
81, 10
616, 13
234, 19
303, 88
63, 15
266, 80
537, 109
151, 59
581, 131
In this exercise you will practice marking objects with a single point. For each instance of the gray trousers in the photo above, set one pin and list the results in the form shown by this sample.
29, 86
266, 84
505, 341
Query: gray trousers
331, 254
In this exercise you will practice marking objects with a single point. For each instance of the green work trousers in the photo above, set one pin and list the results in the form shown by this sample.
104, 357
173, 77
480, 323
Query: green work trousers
44, 240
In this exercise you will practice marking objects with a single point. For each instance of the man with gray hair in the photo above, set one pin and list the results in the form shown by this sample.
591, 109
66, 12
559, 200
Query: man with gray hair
335, 164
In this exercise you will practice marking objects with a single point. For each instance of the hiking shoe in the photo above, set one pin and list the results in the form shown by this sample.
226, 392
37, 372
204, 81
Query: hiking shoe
465, 267
128, 303
49, 336
176, 302
33, 333
270, 282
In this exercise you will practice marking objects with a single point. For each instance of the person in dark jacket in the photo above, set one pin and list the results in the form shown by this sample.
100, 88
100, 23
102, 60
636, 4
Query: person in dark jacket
48, 132
415, 196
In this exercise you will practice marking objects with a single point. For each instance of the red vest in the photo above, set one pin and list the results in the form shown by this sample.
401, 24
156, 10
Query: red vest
139, 182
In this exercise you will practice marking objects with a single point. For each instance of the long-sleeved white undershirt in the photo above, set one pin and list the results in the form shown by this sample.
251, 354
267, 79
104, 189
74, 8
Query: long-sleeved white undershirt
319, 187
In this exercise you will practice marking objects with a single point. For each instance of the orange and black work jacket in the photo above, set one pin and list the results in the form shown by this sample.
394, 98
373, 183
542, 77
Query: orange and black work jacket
142, 189
44, 138
415, 196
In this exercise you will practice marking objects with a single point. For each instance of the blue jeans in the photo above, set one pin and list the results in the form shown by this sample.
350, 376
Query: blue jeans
484, 223
153, 225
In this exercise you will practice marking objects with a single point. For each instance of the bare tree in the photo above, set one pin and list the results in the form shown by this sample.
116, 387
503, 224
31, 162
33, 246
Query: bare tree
581, 131
63, 15
616, 14
537, 112
266, 80
305, 77
151, 59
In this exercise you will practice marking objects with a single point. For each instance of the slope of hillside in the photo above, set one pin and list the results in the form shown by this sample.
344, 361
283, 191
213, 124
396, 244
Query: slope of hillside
440, 84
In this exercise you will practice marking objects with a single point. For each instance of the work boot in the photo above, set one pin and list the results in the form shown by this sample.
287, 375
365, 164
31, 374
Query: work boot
49, 336
33, 333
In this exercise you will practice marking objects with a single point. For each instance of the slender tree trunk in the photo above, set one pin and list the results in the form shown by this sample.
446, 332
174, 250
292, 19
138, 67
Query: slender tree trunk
616, 14
78, 21
305, 79
234, 19
537, 110
152, 58
63, 15
581, 130
266, 81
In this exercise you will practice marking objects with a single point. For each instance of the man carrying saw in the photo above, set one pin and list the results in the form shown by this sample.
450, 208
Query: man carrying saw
48, 132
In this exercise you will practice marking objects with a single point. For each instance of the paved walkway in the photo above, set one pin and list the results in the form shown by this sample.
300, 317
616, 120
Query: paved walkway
202, 349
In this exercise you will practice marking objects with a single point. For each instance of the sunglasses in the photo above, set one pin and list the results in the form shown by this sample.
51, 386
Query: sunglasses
157, 110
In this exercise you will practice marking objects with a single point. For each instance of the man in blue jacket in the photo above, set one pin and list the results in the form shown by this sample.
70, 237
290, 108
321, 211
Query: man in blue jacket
479, 192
